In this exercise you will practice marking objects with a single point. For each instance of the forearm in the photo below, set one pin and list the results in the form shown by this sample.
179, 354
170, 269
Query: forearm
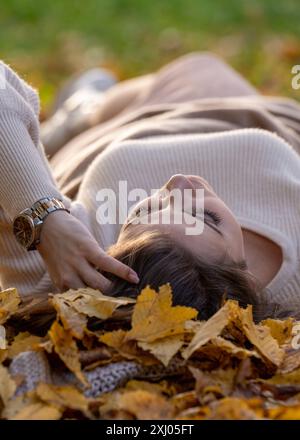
18, 268
24, 174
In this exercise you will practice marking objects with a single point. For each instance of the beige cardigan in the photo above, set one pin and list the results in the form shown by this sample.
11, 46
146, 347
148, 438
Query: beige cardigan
257, 173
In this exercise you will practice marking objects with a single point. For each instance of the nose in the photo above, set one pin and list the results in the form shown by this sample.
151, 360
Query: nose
179, 181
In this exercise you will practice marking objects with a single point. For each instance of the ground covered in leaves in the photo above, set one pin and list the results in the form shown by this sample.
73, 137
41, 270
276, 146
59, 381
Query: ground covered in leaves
226, 368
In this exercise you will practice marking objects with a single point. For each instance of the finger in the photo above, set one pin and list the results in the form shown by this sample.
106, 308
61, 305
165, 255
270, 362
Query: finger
92, 278
110, 264
70, 281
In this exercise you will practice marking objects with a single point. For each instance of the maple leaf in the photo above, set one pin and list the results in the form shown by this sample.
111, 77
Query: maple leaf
164, 349
66, 348
9, 303
155, 318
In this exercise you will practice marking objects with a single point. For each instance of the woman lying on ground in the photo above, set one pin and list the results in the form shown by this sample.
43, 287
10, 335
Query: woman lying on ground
195, 117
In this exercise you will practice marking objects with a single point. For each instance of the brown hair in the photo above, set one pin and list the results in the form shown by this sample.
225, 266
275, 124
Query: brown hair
158, 259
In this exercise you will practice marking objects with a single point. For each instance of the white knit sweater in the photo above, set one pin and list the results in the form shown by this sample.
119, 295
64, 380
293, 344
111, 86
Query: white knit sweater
255, 172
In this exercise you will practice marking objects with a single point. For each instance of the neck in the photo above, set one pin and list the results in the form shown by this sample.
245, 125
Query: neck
263, 256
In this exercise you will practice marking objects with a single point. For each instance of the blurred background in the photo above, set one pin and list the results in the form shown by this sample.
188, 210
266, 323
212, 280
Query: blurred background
48, 40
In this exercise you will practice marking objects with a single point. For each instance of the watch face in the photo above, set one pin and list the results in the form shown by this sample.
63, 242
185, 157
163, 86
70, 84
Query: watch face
24, 230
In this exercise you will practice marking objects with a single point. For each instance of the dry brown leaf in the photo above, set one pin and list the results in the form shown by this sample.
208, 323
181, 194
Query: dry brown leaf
233, 408
211, 328
260, 336
220, 382
141, 404
9, 302
66, 348
7, 385
284, 413
164, 349
233, 349
154, 317
161, 388
93, 303
127, 349
38, 411
62, 397
71, 319
15, 405
23, 342
291, 360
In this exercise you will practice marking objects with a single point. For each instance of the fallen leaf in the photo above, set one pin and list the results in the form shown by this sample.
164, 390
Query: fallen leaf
23, 342
62, 397
154, 317
260, 336
9, 302
71, 319
163, 349
38, 411
211, 328
280, 330
66, 348
7, 385
93, 303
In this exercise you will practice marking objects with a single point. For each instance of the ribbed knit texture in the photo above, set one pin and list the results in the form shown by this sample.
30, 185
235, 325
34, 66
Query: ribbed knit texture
255, 172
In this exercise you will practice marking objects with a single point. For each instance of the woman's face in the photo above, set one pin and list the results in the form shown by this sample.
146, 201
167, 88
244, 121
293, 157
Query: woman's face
221, 239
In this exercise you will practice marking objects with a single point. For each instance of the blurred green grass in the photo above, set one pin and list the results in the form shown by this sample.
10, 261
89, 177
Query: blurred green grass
47, 41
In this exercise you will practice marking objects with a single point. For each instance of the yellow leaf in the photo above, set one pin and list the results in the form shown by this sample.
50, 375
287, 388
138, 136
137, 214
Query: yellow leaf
23, 342
141, 404
233, 349
93, 303
66, 348
7, 385
145, 405
284, 412
258, 335
9, 302
127, 349
261, 338
164, 349
38, 411
62, 397
280, 330
71, 319
155, 318
15, 405
211, 328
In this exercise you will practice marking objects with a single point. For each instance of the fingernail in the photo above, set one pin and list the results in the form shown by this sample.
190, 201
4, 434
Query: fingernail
133, 277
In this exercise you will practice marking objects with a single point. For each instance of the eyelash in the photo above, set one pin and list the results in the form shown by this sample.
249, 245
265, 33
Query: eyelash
212, 214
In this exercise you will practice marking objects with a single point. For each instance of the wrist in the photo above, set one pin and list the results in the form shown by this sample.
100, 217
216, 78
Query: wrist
27, 225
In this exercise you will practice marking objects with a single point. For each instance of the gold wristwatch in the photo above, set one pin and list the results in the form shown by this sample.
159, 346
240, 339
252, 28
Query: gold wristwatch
28, 223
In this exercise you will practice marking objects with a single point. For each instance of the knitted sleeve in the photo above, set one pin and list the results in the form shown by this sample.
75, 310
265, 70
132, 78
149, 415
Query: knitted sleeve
25, 175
